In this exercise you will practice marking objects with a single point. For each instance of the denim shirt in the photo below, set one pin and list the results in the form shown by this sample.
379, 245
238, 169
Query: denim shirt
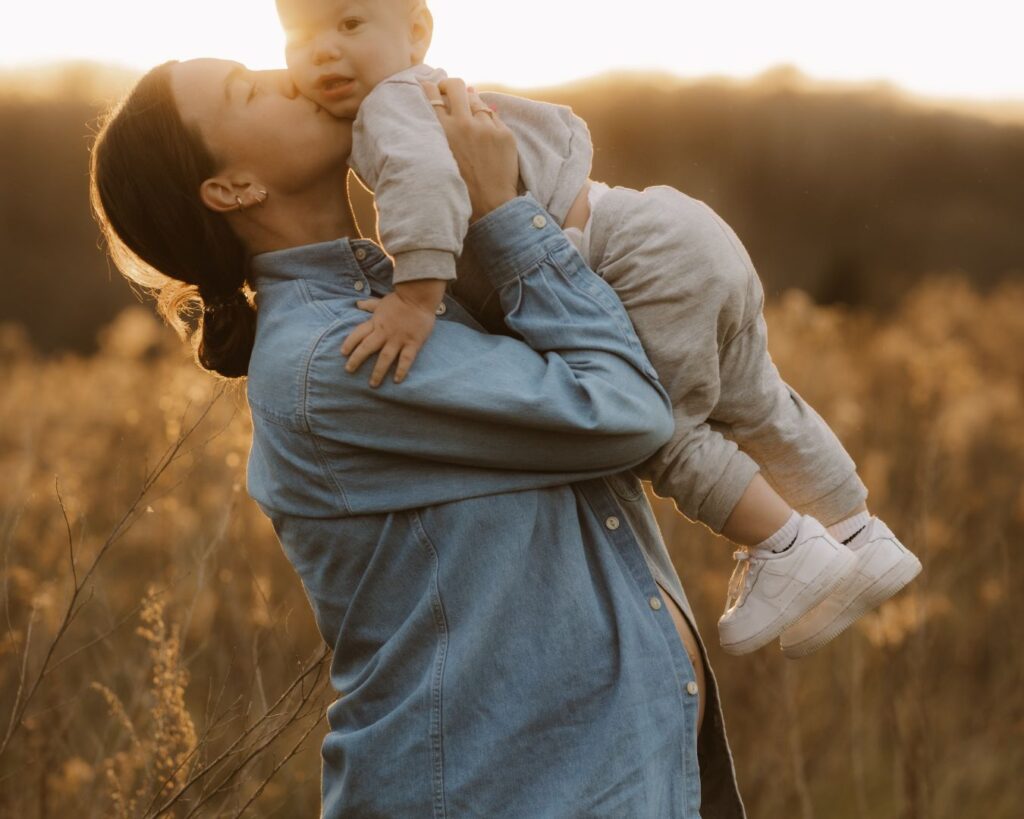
474, 548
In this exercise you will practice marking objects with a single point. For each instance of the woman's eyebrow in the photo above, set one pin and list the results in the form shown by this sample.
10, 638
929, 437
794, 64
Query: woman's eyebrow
232, 75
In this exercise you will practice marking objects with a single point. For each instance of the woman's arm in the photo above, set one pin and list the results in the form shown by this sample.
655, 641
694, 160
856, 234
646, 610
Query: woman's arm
577, 393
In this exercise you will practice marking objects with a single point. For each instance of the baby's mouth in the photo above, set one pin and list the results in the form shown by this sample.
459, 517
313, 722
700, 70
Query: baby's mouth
334, 87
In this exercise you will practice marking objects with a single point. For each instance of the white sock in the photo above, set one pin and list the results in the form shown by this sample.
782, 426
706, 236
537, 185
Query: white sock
784, 538
844, 530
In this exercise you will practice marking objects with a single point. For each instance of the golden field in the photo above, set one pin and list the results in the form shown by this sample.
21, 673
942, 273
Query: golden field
158, 653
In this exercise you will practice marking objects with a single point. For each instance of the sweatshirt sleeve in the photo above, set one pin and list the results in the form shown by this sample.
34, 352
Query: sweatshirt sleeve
400, 151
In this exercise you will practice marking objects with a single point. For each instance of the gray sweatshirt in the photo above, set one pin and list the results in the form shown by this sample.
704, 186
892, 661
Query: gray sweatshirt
400, 151
687, 283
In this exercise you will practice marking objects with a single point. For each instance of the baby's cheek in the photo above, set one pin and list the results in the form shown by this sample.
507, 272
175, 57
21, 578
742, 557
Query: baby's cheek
300, 69
342, 109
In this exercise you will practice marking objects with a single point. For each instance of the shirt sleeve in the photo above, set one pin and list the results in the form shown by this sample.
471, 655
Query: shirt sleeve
576, 393
400, 151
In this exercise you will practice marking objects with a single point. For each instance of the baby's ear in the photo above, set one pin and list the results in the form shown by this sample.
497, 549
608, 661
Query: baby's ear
421, 32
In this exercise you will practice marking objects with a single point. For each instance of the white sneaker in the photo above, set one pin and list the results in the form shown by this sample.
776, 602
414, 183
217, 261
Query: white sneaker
884, 566
769, 591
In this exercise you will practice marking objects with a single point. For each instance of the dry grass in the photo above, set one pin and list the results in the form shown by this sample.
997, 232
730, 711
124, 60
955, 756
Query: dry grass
158, 654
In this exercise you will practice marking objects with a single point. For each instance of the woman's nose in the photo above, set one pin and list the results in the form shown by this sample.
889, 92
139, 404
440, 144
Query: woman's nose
280, 81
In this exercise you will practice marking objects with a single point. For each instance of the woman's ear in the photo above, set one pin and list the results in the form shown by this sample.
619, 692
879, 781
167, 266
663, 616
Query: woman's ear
218, 194
221, 195
421, 32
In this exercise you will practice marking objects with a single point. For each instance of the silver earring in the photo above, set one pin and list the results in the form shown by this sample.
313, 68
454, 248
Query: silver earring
238, 200
261, 199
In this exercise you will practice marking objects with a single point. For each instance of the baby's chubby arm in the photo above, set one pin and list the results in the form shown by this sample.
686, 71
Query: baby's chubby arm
401, 324
401, 153
487, 160
399, 150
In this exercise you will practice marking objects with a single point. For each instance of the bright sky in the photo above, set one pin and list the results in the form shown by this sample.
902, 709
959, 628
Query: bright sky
935, 47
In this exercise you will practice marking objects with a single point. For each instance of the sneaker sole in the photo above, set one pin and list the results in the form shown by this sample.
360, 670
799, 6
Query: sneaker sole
872, 597
847, 566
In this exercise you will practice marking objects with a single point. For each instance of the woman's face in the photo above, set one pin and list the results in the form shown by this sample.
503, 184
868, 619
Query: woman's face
255, 124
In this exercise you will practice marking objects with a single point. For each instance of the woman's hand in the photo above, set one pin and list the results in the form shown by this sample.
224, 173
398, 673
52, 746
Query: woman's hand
482, 144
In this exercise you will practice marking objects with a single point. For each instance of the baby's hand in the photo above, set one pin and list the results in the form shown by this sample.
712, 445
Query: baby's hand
401, 324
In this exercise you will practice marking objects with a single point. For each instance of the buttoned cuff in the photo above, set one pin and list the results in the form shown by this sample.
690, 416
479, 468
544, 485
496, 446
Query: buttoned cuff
414, 265
513, 238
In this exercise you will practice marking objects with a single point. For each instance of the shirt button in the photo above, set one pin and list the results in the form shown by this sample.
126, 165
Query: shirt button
361, 254
612, 523
539, 221
691, 688
442, 308
655, 603
359, 286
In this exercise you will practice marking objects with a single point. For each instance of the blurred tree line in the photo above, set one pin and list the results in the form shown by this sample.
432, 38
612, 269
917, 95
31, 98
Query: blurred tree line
851, 195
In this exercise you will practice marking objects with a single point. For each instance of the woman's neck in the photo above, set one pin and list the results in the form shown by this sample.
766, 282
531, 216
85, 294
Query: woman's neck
292, 221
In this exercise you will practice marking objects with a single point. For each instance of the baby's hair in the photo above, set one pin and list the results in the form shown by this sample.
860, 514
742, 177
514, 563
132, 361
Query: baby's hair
409, 5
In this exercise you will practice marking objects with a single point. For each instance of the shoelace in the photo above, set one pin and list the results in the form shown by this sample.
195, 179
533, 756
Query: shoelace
744, 575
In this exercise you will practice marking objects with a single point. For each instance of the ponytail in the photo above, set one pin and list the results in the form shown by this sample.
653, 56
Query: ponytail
146, 170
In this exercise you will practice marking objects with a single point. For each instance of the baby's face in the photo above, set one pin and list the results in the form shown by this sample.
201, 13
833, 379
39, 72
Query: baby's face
339, 50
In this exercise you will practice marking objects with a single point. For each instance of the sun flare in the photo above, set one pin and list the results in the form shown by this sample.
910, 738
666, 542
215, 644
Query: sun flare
923, 46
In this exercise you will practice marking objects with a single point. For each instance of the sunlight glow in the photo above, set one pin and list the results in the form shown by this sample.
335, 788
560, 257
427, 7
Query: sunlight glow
940, 49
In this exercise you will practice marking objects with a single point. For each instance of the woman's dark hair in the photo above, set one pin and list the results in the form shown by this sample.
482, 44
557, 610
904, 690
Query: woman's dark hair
146, 171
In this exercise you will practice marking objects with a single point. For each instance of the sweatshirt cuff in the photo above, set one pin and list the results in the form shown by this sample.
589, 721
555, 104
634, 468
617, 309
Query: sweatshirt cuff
720, 502
414, 265
513, 238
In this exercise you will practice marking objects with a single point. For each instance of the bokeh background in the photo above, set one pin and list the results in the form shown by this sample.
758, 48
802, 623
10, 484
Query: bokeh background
156, 652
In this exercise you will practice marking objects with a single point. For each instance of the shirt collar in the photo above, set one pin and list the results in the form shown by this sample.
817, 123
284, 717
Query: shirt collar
326, 261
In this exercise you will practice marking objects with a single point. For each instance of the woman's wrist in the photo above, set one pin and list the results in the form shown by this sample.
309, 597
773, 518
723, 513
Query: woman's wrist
490, 202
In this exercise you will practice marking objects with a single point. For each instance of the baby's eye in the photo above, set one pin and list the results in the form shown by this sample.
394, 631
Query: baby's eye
349, 24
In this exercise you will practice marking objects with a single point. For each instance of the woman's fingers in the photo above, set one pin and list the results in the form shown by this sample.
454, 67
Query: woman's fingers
448, 97
479, 107
458, 97
434, 96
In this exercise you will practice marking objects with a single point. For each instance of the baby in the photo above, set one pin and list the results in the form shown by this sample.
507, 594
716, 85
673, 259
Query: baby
747, 451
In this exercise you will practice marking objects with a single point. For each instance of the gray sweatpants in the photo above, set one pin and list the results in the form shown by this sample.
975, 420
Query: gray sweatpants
697, 305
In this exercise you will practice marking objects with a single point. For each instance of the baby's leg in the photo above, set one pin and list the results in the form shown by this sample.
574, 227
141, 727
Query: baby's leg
798, 453
684, 286
690, 290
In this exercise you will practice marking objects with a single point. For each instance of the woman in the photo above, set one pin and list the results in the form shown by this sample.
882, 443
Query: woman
508, 629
